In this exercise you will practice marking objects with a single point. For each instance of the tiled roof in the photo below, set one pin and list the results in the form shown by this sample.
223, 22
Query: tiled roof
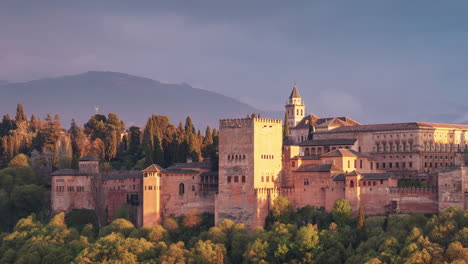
295, 92
317, 168
376, 176
153, 168
366, 176
180, 171
209, 173
90, 157
306, 157
191, 165
67, 172
328, 142
344, 153
339, 177
122, 174
316, 121
393, 126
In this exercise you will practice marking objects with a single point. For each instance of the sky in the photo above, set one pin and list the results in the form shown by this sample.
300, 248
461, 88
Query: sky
375, 61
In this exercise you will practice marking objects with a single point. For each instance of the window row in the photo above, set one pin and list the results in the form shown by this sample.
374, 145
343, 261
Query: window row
391, 165
393, 147
151, 188
235, 179
236, 157
267, 178
355, 164
264, 156
69, 188
182, 188
438, 157
437, 147
435, 164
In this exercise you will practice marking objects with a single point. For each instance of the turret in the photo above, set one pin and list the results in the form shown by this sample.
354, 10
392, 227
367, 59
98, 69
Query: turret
89, 164
295, 109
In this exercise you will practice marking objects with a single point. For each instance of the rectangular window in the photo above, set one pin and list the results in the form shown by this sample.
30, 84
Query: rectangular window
229, 179
383, 165
390, 165
397, 164
267, 178
236, 178
381, 181
243, 179
360, 164
372, 165
263, 179
377, 165
349, 164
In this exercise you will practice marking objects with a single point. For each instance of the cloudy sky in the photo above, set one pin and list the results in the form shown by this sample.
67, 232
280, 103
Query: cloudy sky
376, 60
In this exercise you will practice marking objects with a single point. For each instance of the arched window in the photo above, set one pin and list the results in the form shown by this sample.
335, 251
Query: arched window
307, 152
351, 184
181, 189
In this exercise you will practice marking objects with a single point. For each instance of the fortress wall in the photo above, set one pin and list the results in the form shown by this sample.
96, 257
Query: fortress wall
424, 200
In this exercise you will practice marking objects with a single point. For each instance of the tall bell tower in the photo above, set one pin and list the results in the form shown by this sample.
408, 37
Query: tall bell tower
295, 109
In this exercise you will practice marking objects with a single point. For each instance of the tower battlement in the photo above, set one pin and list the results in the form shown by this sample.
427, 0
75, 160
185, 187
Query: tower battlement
246, 122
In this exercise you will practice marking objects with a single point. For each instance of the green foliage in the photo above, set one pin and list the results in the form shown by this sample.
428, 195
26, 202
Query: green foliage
341, 212
297, 242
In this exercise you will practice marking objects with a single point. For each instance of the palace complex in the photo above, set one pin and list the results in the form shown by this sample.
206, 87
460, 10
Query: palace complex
406, 167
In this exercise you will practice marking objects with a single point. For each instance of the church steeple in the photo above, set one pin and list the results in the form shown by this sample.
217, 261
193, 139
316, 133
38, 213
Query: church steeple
295, 109
295, 92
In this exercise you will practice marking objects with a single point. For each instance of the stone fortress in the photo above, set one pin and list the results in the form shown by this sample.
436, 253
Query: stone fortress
321, 161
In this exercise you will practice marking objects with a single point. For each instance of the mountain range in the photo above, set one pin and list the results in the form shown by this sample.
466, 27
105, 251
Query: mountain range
133, 98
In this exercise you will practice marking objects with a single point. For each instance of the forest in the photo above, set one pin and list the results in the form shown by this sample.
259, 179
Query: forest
32, 148
305, 235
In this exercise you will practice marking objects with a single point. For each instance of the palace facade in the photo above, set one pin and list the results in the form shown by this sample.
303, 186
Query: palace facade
407, 167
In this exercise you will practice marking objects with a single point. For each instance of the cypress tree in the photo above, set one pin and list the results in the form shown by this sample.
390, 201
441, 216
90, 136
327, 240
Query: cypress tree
189, 129
286, 128
134, 138
310, 135
362, 218
20, 115
158, 151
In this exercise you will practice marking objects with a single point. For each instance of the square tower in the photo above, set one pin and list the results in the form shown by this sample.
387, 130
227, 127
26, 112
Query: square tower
250, 159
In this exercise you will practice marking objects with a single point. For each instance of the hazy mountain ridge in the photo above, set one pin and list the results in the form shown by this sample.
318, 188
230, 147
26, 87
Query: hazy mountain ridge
133, 98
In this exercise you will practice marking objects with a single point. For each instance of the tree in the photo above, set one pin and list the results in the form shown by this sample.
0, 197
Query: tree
362, 218
206, 252
20, 115
18, 161
286, 128
98, 198
341, 212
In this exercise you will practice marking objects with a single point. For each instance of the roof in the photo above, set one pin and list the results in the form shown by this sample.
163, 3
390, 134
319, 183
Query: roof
393, 126
365, 176
68, 172
209, 173
306, 157
90, 157
191, 165
153, 168
122, 174
180, 171
344, 153
317, 168
316, 121
328, 142
295, 92
376, 176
